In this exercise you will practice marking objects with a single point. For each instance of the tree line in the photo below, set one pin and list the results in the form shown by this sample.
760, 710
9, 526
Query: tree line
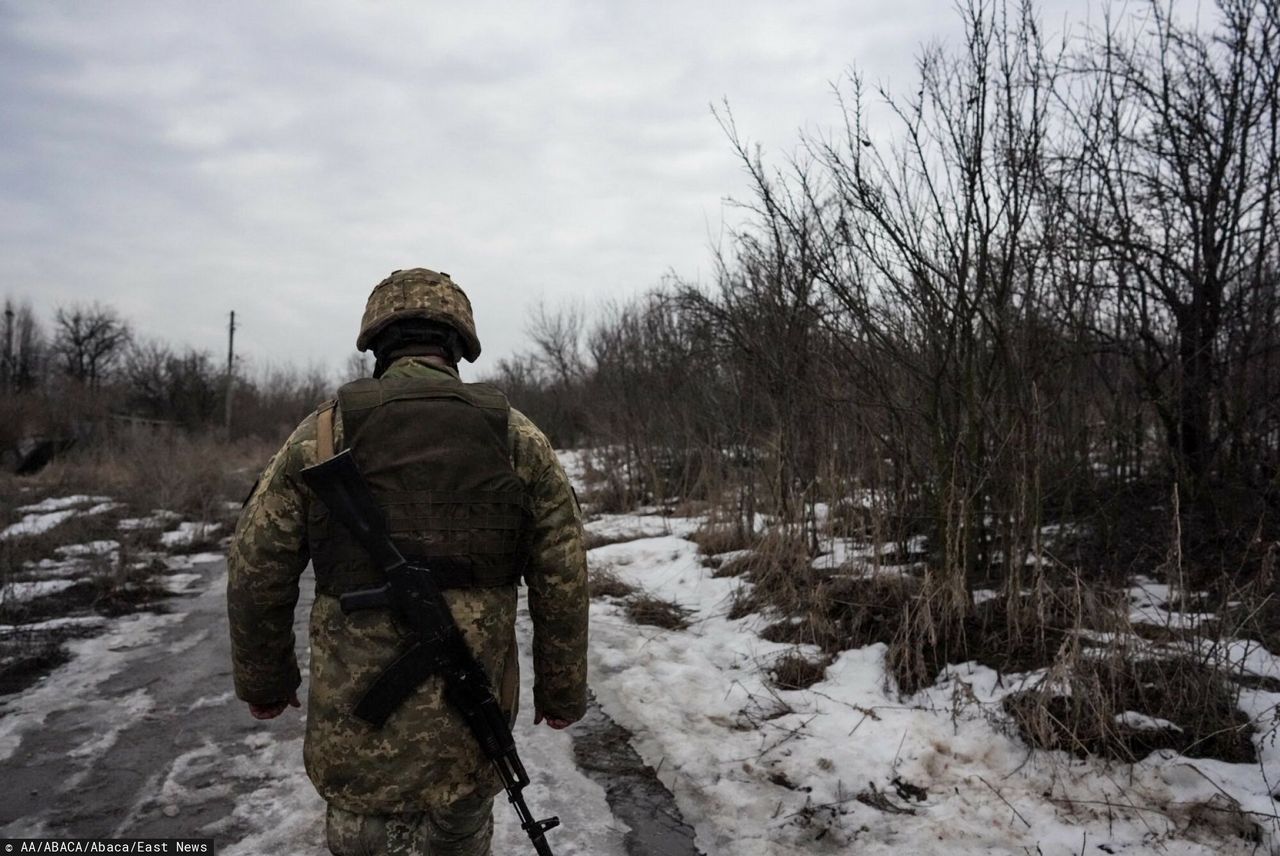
90, 365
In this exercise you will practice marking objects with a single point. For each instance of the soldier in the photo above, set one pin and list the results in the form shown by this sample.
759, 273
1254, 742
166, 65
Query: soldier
471, 489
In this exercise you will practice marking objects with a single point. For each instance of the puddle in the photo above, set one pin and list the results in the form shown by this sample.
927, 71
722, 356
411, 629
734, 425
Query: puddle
602, 750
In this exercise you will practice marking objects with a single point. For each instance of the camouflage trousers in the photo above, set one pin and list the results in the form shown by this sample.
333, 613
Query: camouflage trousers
464, 828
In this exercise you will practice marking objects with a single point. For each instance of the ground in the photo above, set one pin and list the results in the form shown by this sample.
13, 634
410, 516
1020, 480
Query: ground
138, 734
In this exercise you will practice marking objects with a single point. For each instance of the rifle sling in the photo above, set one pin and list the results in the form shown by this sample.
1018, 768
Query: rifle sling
324, 432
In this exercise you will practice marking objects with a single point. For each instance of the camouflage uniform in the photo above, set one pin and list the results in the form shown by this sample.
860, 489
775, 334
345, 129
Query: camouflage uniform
462, 829
421, 778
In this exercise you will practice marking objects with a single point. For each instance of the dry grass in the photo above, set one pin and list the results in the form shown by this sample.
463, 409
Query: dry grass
1079, 707
592, 540
780, 573
648, 609
605, 583
715, 538
1099, 668
605, 489
846, 612
734, 567
797, 672
193, 475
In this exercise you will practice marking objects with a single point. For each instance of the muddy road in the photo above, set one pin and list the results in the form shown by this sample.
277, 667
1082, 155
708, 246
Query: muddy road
139, 735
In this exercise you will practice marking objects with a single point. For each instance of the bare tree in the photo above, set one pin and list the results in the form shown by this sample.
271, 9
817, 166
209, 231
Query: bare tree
145, 368
557, 339
1173, 178
89, 339
941, 264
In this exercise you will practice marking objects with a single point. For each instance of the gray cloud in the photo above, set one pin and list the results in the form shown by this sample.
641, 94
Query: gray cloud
179, 160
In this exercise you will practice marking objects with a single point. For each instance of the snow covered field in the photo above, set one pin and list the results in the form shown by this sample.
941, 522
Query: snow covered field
848, 766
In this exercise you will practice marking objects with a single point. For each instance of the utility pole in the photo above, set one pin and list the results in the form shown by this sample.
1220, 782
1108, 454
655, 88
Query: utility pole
231, 361
8, 379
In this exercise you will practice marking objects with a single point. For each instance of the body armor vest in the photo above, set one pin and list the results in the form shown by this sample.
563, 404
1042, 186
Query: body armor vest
437, 456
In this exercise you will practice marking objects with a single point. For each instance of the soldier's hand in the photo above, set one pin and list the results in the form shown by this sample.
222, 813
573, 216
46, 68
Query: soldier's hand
271, 711
557, 724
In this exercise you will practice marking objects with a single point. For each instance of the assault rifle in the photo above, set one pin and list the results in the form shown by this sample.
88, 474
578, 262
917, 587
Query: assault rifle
436, 647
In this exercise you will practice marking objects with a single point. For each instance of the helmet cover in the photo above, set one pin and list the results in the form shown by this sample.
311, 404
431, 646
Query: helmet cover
419, 293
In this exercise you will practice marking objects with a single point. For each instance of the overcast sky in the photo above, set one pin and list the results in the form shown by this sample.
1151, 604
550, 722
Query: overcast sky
178, 160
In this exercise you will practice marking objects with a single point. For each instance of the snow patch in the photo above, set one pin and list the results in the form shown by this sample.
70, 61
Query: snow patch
761, 771
36, 524
183, 583
187, 562
159, 519
52, 625
89, 550
62, 503
188, 533
34, 589
220, 700
639, 526
1141, 722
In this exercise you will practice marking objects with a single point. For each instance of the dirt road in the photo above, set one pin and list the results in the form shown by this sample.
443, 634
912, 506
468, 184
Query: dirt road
140, 736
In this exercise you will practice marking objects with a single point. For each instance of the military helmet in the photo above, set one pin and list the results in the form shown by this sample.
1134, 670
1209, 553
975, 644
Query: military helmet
419, 293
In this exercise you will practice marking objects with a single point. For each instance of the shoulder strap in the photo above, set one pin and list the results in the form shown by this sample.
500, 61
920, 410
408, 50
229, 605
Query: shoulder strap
324, 432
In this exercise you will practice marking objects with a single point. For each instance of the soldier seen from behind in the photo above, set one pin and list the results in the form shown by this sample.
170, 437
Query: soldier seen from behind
469, 489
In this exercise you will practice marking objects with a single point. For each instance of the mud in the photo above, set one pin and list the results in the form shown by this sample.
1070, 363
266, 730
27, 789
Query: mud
602, 749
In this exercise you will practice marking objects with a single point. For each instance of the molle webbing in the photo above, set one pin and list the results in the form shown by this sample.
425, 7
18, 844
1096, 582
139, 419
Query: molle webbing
436, 455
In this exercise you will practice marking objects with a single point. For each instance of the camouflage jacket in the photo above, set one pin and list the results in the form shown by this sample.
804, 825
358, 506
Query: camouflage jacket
424, 756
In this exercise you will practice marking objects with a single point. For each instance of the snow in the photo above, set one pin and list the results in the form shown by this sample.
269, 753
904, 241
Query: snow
284, 813
1141, 722
761, 771
45, 515
984, 595
128, 709
92, 662
35, 524
848, 765
188, 533
686, 695
183, 583
558, 786
622, 526
52, 625
186, 562
159, 519
93, 548
34, 589
1241, 655
62, 504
